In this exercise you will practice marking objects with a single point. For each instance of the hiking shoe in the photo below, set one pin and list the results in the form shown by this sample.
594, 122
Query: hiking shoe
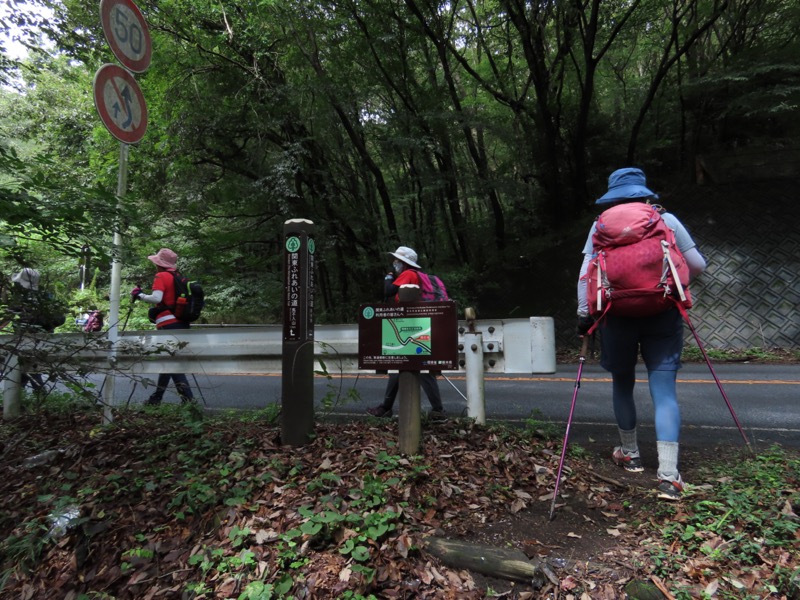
380, 412
629, 461
670, 490
437, 415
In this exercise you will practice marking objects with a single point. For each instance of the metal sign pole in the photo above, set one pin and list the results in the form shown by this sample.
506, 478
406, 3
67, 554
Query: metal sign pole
114, 296
297, 397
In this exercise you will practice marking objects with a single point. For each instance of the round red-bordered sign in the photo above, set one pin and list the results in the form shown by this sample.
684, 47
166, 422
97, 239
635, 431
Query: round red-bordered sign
120, 103
127, 33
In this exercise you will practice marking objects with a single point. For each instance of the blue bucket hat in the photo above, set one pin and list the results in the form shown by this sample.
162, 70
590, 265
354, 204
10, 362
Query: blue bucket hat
624, 184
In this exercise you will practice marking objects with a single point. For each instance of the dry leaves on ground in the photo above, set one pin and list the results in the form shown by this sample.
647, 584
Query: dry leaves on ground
223, 508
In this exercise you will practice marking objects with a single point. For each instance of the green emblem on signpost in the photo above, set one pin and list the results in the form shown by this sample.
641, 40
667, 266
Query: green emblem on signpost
293, 244
311, 246
369, 312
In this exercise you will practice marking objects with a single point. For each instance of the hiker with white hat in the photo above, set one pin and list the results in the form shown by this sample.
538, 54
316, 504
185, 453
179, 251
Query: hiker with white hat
404, 272
34, 310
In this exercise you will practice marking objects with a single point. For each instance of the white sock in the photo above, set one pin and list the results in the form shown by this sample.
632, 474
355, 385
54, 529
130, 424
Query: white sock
668, 461
628, 439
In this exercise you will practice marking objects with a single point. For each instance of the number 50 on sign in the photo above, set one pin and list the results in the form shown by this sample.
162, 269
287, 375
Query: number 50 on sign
127, 33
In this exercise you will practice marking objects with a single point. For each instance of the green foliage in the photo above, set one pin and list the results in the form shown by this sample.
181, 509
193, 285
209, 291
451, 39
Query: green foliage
693, 353
540, 427
462, 130
740, 521
333, 397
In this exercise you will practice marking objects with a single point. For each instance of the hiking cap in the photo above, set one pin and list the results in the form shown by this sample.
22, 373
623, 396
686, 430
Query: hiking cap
407, 255
27, 278
165, 258
624, 184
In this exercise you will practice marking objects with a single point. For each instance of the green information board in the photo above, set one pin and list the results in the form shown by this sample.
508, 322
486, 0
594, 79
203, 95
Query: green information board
410, 336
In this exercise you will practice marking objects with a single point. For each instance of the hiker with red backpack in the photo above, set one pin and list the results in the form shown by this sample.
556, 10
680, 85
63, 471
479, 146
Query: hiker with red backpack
164, 298
638, 261
406, 271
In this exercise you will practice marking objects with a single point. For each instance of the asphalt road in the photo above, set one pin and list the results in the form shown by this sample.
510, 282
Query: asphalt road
765, 398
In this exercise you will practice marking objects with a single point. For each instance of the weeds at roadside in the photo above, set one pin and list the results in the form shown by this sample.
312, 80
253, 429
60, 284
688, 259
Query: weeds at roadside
763, 355
537, 425
737, 532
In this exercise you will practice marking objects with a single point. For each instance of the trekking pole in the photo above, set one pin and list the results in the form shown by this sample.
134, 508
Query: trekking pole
581, 360
127, 316
454, 386
716, 379
199, 391
130, 311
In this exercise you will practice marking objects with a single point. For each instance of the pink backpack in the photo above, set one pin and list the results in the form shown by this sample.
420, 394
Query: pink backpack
636, 268
431, 288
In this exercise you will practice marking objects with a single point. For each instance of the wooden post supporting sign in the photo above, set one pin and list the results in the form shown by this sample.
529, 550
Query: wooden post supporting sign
409, 425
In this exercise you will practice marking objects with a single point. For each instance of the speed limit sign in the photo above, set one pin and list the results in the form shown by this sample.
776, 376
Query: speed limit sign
127, 33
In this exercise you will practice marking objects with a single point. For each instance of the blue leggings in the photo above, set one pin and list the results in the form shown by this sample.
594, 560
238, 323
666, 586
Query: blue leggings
665, 402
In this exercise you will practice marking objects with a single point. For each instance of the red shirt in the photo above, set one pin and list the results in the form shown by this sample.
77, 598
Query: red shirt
407, 277
165, 281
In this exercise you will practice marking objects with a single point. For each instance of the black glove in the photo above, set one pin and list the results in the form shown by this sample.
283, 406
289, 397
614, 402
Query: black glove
135, 293
585, 323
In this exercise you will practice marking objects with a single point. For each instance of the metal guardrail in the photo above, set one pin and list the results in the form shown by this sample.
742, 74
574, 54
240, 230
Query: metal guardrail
509, 346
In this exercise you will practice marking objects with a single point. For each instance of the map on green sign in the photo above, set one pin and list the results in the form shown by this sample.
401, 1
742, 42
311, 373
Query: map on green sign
406, 337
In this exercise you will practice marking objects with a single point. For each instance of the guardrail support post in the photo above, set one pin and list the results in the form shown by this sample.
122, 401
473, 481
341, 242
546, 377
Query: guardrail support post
12, 388
543, 345
473, 357
297, 398
474, 370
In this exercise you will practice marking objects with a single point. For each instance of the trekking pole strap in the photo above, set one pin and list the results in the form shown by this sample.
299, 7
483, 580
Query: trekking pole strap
674, 270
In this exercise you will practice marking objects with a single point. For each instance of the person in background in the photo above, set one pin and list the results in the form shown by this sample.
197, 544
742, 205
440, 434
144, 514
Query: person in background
658, 337
35, 311
163, 298
404, 272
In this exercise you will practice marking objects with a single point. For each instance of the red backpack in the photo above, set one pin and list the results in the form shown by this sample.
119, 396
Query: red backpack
636, 268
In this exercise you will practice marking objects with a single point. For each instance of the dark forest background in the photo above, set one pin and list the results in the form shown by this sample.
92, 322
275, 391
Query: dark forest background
478, 133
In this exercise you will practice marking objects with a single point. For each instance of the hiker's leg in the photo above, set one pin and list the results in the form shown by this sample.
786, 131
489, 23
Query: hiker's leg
619, 346
35, 379
392, 386
161, 387
183, 388
661, 351
622, 399
662, 344
431, 387
665, 403
181, 384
